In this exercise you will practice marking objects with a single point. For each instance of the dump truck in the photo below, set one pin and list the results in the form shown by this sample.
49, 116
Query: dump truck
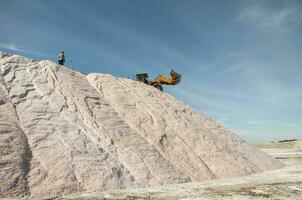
160, 80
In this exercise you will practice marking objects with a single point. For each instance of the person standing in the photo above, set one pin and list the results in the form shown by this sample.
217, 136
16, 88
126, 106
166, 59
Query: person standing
61, 58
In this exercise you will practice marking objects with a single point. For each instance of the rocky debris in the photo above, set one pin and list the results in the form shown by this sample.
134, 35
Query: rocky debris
62, 132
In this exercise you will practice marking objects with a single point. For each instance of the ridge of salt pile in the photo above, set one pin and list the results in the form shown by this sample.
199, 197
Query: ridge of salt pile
62, 131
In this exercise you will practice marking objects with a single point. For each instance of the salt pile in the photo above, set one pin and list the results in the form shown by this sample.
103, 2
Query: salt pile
62, 131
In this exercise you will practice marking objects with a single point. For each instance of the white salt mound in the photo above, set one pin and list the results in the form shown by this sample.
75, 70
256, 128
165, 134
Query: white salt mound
62, 131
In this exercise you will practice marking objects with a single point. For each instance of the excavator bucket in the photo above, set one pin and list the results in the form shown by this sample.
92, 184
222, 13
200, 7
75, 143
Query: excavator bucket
175, 77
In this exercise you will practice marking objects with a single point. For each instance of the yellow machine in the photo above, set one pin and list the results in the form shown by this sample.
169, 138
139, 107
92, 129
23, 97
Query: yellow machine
160, 80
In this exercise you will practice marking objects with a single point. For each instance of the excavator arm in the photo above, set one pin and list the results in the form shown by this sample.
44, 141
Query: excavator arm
174, 79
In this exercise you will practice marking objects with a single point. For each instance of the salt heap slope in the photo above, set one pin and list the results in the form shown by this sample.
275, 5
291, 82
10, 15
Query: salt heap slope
62, 131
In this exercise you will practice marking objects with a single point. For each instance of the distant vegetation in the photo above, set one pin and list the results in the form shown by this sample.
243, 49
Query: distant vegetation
292, 140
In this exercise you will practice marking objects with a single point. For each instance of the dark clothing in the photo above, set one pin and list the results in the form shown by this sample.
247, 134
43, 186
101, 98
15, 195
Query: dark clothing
61, 58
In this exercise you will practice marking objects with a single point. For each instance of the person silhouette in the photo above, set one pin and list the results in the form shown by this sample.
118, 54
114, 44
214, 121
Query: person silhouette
61, 58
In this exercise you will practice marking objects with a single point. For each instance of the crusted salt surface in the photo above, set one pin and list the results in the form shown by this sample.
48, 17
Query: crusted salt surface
62, 132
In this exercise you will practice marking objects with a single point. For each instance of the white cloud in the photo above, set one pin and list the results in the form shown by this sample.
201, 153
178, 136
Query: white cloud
277, 15
10, 47
14, 47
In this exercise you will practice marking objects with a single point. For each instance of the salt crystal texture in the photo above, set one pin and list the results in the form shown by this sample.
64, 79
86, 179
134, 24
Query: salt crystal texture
62, 131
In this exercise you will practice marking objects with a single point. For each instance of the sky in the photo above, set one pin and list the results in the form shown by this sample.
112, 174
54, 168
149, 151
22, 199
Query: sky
240, 60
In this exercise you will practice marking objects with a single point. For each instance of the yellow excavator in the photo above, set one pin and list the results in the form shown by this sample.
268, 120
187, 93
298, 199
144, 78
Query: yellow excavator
160, 80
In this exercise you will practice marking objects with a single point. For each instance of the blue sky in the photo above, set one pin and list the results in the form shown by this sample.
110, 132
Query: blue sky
241, 60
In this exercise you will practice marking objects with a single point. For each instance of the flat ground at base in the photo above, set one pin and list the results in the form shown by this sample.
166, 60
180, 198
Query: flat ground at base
281, 184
